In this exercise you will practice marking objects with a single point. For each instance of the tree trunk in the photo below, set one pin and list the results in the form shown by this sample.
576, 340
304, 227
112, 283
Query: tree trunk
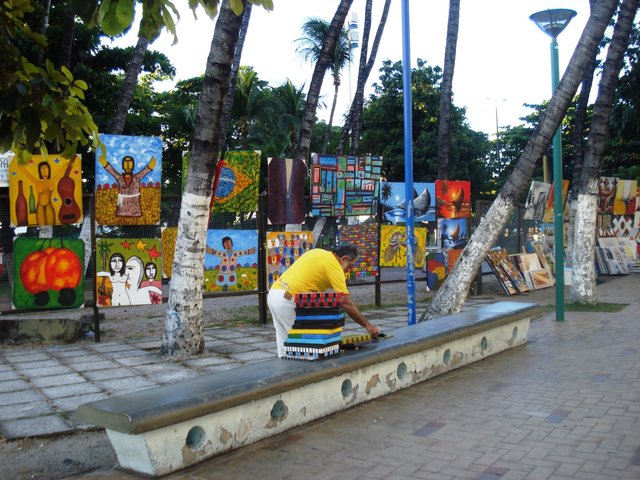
233, 78
328, 49
578, 147
183, 335
66, 46
354, 119
583, 285
129, 86
454, 291
327, 134
444, 131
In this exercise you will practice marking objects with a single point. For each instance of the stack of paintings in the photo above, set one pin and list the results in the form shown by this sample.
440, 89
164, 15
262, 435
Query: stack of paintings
508, 274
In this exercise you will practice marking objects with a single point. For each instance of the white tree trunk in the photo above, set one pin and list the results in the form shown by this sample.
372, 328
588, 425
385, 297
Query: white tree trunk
583, 284
183, 333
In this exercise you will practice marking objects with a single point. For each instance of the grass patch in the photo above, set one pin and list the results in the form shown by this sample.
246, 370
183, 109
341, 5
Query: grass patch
599, 307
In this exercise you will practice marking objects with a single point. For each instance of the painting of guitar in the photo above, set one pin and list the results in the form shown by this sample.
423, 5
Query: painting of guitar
69, 209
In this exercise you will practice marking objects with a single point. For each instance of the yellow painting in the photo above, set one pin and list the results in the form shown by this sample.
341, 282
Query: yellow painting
393, 246
45, 191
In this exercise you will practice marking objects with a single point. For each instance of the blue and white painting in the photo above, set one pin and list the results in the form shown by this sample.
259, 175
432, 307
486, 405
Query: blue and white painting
393, 200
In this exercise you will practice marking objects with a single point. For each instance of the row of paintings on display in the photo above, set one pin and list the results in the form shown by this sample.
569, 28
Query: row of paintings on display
522, 272
615, 196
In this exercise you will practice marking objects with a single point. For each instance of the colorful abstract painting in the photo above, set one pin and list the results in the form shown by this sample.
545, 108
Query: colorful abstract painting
286, 179
168, 236
625, 200
45, 191
393, 201
436, 270
284, 248
236, 182
231, 260
49, 273
453, 232
129, 271
536, 200
453, 199
345, 186
365, 238
548, 213
393, 246
128, 178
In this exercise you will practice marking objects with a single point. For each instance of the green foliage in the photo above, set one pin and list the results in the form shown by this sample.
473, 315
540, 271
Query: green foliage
40, 106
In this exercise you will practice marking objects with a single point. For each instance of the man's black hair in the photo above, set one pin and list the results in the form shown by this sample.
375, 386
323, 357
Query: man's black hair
224, 239
346, 249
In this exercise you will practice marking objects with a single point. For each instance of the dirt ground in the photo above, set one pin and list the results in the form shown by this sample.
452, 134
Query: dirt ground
62, 456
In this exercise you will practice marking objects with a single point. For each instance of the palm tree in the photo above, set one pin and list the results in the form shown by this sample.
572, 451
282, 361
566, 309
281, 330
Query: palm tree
328, 47
454, 291
583, 285
315, 30
444, 132
246, 102
354, 119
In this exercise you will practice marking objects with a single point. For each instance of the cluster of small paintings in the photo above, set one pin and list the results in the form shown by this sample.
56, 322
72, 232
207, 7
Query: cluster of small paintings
235, 185
365, 238
285, 190
394, 202
345, 185
613, 256
231, 260
129, 271
522, 272
45, 191
49, 273
284, 248
128, 178
393, 246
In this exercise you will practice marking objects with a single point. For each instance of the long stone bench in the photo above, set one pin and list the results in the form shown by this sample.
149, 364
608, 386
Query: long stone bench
168, 428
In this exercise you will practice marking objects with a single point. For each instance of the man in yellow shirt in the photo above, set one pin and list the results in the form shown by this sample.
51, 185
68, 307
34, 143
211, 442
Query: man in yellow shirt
315, 271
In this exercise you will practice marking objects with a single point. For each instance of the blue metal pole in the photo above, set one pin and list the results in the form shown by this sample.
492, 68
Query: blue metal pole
408, 162
558, 214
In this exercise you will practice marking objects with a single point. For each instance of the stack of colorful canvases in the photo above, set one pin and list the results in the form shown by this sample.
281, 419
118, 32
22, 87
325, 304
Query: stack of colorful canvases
317, 328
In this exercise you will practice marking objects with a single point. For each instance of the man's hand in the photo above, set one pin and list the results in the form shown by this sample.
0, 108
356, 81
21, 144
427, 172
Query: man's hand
372, 329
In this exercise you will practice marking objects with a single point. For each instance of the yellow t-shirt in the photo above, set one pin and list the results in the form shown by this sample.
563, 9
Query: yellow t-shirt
315, 271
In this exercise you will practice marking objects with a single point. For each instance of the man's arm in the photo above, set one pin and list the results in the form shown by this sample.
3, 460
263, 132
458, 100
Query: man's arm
353, 312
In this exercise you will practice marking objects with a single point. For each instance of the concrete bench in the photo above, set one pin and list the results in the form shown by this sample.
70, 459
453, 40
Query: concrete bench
168, 428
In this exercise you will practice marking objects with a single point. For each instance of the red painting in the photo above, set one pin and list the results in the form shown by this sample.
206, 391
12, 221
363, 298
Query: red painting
453, 198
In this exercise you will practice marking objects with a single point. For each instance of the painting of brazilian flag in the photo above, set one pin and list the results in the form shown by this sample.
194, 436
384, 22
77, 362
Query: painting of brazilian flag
49, 273
235, 185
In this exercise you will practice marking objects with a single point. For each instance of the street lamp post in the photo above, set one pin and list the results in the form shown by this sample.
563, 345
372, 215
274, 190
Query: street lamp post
553, 22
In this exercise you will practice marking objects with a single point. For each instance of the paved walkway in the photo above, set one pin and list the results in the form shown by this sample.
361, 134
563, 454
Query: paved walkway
566, 405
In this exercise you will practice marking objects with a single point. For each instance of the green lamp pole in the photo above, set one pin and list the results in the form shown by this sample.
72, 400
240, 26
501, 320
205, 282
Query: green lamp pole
553, 22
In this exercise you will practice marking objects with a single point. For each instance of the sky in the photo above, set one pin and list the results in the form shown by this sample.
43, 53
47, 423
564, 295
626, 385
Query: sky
503, 58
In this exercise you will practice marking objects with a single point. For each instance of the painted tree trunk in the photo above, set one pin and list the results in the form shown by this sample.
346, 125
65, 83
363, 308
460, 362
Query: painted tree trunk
183, 335
454, 290
444, 130
583, 285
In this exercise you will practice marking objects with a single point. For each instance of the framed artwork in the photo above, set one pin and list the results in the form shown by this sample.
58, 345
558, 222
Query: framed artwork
536, 200
231, 260
453, 233
235, 184
285, 191
345, 186
129, 271
365, 238
393, 201
453, 198
607, 190
625, 199
49, 273
548, 213
284, 248
541, 279
128, 178
5, 159
622, 226
436, 270
45, 191
393, 246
